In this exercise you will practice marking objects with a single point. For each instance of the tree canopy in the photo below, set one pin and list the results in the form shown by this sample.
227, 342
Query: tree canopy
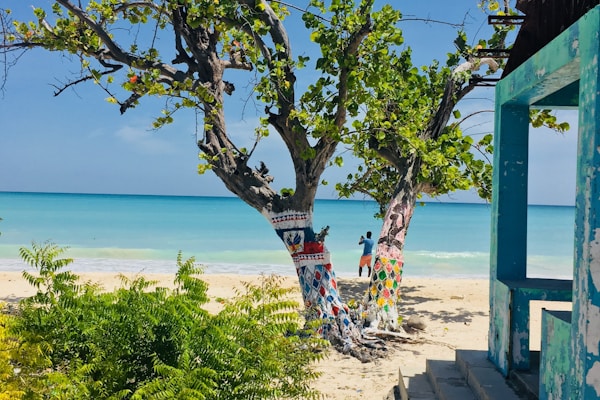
211, 38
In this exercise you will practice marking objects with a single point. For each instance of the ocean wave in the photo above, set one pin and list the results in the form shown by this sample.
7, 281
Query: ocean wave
416, 263
448, 254
115, 265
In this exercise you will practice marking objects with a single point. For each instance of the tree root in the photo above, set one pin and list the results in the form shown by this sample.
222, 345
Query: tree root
374, 344
398, 337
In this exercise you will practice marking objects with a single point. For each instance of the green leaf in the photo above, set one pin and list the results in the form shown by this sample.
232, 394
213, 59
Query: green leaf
39, 13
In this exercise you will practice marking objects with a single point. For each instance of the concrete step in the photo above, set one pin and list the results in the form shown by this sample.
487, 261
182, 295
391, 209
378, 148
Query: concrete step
447, 381
470, 377
528, 382
415, 387
483, 378
419, 388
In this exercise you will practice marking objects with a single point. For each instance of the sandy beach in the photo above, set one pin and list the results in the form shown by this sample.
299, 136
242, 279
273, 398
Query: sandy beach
455, 312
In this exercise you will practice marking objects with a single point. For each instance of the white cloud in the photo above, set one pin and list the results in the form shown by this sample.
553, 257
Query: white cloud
145, 141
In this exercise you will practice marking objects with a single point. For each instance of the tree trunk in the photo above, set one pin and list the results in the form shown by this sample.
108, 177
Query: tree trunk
316, 276
384, 286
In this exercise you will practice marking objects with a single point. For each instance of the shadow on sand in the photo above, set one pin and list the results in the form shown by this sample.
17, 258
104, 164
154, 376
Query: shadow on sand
355, 289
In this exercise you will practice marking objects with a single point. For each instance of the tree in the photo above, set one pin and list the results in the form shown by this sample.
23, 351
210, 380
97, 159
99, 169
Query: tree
411, 142
211, 38
409, 148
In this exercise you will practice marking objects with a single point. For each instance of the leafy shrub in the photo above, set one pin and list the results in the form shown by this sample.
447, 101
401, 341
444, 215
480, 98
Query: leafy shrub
19, 362
9, 385
254, 349
148, 342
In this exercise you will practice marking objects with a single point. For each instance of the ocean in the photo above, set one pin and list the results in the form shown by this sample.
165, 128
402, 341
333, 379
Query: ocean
135, 233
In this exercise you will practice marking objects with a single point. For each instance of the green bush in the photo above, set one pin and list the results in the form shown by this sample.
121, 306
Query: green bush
148, 342
10, 388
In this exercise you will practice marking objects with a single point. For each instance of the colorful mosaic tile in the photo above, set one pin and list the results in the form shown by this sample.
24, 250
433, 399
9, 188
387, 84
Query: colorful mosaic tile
385, 282
315, 272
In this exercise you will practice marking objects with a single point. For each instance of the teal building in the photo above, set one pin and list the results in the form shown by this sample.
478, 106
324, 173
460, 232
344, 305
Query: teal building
563, 74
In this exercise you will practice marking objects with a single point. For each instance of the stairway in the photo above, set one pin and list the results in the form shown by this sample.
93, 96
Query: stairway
470, 377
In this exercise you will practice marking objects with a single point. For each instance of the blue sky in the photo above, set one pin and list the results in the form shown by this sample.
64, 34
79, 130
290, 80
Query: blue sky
79, 143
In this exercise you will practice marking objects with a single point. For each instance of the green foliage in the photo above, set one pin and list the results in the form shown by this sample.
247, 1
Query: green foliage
407, 138
545, 118
254, 345
364, 71
20, 362
148, 342
9, 373
286, 192
398, 131
97, 27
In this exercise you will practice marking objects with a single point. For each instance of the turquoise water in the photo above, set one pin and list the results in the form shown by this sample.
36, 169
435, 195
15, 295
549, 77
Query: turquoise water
129, 233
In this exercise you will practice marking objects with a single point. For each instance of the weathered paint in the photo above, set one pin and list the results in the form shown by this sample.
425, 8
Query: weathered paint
520, 347
555, 359
509, 324
581, 279
595, 258
508, 250
586, 356
523, 292
593, 329
593, 377
498, 337
570, 61
519, 326
315, 273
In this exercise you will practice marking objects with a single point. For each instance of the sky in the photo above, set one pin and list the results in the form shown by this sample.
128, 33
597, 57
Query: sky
79, 143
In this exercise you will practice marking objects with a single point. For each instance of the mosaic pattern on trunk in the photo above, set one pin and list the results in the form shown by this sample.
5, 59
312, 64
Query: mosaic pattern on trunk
314, 269
385, 283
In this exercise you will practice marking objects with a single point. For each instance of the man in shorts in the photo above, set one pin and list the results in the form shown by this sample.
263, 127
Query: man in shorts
367, 255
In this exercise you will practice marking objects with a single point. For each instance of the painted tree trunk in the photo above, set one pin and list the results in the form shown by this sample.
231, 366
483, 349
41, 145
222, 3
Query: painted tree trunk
315, 274
384, 285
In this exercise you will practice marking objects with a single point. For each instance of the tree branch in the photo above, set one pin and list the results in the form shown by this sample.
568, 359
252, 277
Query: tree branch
281, 121
454, 92
472, 115
113, 68
326, 145
246, 28
113, 48
114, 52
136, 4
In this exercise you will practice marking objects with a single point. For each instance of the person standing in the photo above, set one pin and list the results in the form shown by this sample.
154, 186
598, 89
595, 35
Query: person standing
367, 255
